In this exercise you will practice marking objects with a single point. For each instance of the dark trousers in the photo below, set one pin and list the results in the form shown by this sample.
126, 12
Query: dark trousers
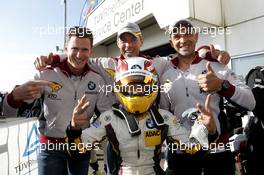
219, 164
255, 134
210, 164
58, 162
184, 164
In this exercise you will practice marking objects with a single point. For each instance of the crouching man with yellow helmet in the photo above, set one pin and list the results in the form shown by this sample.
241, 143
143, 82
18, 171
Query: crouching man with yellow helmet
135, 127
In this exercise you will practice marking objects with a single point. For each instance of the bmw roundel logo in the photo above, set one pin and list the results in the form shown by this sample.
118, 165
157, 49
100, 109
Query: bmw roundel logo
107, 118
91, 85
150, 124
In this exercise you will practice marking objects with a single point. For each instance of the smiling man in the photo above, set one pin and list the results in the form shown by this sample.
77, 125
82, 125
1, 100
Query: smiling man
191, 79
78, 50
62, 86
129, 40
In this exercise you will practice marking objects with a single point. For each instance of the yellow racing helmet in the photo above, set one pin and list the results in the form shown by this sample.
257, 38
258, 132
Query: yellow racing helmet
136, 84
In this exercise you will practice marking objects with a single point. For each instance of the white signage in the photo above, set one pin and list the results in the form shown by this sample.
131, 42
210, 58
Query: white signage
111, 15
108, 17
18, 147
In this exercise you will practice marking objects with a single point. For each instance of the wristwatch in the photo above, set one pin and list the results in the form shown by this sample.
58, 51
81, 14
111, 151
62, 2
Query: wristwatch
225, 86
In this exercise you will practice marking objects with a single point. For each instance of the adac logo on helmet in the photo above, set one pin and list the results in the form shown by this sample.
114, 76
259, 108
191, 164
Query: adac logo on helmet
91, 85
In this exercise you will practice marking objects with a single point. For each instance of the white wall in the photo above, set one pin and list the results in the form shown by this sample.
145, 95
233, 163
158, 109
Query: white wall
246, 37
208, 11
218, 41
237, 11
168, 11
246, 19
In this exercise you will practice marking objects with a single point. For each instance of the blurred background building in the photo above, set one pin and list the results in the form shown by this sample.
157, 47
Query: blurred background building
232, 25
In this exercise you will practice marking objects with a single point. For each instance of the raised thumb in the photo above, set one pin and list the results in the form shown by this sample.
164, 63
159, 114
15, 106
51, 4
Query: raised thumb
209, 67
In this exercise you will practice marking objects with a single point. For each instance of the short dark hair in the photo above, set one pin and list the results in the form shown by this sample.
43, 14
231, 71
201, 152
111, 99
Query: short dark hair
80, 32
175, 28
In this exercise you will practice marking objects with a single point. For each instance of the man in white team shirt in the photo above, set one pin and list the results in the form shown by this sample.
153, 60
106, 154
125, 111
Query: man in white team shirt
189, 81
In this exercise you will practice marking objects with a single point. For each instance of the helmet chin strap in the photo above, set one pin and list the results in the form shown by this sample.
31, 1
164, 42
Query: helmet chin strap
129, 118
156, 117
141, 116
132, 119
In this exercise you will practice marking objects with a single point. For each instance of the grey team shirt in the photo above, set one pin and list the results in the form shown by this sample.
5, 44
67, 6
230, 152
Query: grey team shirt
62, 96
